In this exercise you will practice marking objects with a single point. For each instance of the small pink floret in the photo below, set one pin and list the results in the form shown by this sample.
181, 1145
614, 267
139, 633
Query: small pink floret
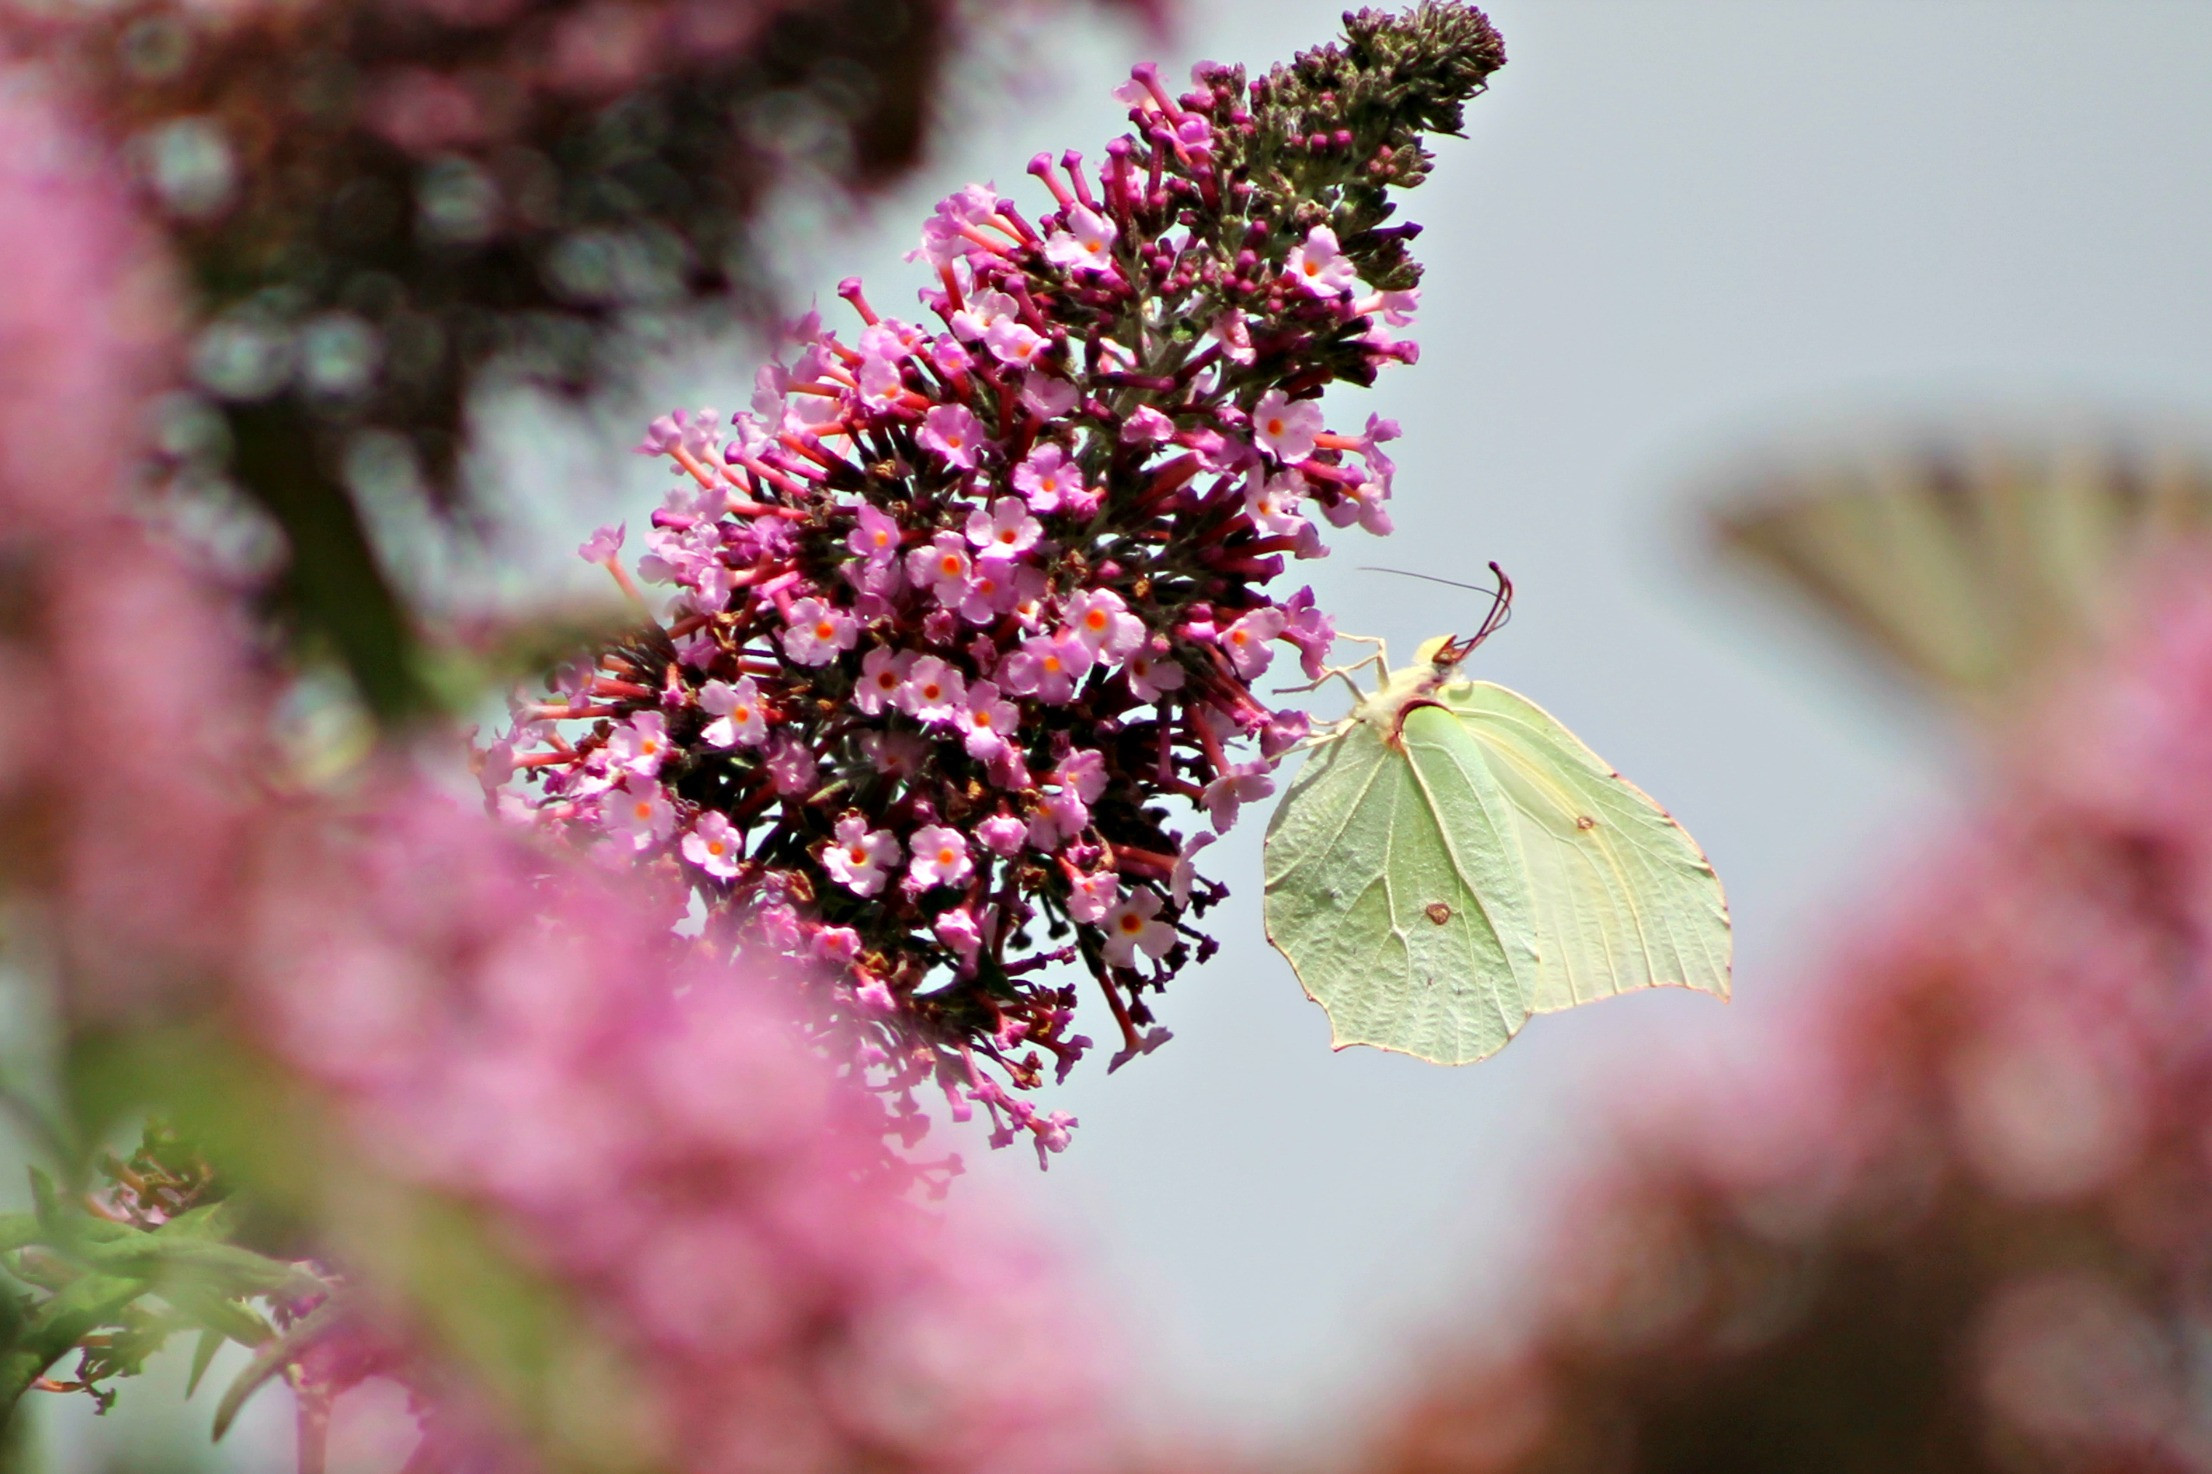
939, 857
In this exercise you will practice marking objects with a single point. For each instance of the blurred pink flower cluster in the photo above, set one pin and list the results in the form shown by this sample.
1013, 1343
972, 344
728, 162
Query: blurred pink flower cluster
1959, 1215
124, 792
495, 1022
650, 1130
381, 205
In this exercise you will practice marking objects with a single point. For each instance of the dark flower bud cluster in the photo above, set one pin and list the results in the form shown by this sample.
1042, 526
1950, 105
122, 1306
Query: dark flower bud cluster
958, 673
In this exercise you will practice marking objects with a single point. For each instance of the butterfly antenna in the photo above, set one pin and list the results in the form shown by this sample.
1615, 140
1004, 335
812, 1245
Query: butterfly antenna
1501, 607
1450, 583
1452, 652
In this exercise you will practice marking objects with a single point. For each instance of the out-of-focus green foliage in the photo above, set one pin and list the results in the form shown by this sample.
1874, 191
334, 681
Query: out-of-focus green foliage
113, 1274
428, 1292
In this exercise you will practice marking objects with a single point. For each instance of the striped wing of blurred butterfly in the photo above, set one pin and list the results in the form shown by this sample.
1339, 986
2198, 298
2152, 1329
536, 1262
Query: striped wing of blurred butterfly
1454, 861
1972, 569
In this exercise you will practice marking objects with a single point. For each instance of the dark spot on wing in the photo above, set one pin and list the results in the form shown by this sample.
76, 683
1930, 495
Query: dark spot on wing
1586, 822
1437, 912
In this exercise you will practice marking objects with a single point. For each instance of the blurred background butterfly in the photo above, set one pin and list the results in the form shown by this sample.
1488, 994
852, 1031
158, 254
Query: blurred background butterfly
1970, 562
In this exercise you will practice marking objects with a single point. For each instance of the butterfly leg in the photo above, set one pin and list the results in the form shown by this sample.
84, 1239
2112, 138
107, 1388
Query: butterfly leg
1380, 660
1335, 672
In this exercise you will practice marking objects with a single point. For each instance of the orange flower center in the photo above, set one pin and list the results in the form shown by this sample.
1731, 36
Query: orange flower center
824, 630
1131, 922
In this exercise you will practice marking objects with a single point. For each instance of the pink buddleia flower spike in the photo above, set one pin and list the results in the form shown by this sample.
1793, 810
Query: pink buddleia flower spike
1006, 579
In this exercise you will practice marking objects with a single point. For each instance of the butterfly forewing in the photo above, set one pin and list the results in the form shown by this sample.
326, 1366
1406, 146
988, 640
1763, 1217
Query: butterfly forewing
1622, 897
1393, 886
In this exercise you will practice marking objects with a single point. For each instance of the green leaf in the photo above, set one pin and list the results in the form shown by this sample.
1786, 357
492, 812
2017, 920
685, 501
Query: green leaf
203, 1355
217, 1221
1455, 861
57, 1326
225, 1268
273, 1357
216, 1316
45, 1201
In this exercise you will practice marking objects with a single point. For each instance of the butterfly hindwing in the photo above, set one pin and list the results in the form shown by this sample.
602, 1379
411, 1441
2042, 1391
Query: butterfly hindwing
1395, 893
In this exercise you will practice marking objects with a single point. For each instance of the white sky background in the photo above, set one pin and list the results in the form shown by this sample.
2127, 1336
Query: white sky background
1674, 229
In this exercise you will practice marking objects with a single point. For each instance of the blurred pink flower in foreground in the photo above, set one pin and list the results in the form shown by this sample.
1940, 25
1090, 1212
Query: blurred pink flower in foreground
495, 1022
1959, 1216
650, 1129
